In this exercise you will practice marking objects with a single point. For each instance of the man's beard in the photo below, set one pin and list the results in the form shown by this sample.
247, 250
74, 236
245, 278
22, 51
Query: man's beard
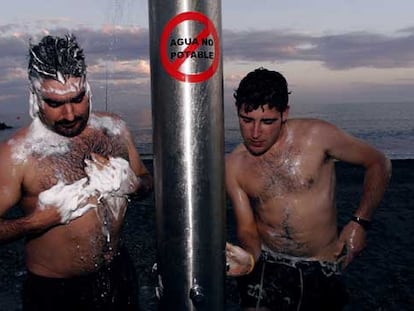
70, 128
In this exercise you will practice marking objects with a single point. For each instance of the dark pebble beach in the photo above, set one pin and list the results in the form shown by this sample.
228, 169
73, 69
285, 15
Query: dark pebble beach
382, 278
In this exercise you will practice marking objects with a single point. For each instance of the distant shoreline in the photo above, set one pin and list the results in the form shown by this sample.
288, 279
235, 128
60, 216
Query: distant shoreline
4, 126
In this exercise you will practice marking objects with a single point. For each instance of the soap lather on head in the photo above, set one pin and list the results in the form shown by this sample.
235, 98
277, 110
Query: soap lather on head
57, 58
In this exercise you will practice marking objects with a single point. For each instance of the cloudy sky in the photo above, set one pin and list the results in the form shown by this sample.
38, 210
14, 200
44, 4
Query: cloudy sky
330, 51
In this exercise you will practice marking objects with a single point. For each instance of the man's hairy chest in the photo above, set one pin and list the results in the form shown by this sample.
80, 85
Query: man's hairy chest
279, 176
69, 166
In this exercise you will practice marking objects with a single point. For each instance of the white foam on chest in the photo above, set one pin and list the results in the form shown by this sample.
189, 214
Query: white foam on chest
40, 141
43, 142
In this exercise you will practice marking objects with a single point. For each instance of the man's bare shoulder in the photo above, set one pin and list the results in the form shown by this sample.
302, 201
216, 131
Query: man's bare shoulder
110, 122
106, 114
18, 137
10, 157
308, 123
236, 160
239, 152
5, 150
320, 136
308, 127
19, 134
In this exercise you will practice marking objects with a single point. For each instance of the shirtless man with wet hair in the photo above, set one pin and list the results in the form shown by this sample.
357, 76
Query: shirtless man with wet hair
281, 182
71, 172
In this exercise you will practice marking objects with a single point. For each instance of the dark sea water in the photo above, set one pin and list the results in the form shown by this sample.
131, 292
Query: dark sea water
387, 126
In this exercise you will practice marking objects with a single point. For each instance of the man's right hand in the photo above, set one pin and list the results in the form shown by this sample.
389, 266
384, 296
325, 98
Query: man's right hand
45, 218
239, 261
71, 201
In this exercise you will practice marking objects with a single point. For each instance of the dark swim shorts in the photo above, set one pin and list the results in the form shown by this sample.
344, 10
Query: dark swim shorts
280, 282
113, 287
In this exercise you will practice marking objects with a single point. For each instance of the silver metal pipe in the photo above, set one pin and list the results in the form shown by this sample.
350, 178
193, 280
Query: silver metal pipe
187, 105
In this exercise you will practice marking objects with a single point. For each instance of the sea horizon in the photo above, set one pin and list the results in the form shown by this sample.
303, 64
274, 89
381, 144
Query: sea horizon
386, 126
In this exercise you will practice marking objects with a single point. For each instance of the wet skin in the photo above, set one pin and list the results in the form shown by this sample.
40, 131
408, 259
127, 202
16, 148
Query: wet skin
80, 246
85, 244
281, 181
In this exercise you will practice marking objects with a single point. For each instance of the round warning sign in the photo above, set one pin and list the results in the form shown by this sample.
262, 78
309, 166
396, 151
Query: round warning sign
202, 46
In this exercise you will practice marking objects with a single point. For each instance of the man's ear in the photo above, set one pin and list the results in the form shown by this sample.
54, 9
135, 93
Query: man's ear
285, 114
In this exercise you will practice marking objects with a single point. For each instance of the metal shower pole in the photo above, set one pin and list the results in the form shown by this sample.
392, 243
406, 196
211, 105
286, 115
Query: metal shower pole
187, 105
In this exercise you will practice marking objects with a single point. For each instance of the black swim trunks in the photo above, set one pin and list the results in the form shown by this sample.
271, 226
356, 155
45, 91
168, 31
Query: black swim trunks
281, 283
113, 287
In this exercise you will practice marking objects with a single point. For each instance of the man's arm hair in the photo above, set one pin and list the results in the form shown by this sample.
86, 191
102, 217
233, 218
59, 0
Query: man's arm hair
13, 229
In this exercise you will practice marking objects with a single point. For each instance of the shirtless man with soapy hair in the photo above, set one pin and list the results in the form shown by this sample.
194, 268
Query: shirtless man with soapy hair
71, 172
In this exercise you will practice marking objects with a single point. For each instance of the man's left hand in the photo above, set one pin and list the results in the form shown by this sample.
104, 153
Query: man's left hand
353, 238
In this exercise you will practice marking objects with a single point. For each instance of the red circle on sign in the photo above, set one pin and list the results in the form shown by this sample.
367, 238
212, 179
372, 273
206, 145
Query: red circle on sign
173, 67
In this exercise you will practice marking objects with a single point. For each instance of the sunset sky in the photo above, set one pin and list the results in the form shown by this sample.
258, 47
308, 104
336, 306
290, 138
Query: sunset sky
330, 51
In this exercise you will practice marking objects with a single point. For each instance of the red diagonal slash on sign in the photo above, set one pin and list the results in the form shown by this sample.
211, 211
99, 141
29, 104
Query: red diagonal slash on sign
172, 67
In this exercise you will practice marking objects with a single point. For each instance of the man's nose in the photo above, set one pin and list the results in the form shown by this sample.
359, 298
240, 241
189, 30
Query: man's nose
68, 112
256, 130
